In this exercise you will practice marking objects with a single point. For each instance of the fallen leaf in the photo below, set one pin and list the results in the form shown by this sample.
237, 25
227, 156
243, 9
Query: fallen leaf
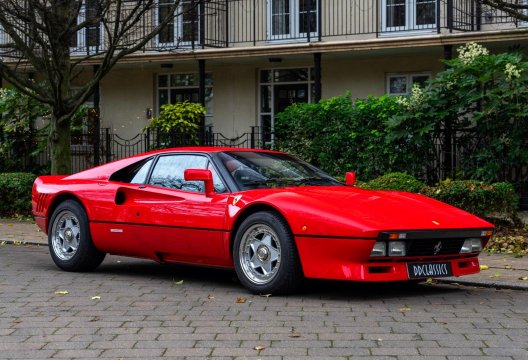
509, 267
210, 297
405, 309
429, 281
259, 347
496, 275
294, 334
178, 282
484, 267
3, 243
240, 300
97, 297
524, 278
9, 224
61, 292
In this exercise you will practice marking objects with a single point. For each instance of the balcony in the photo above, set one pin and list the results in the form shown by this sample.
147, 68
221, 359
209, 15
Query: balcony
251, 23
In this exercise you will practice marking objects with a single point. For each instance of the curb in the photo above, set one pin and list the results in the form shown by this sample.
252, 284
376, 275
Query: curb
482, 283
21, 243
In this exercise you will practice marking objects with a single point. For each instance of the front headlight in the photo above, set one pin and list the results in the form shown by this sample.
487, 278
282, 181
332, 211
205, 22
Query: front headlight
471, 245
396, 248
379, 249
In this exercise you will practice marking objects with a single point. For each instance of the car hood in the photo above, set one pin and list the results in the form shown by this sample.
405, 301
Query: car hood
350, 211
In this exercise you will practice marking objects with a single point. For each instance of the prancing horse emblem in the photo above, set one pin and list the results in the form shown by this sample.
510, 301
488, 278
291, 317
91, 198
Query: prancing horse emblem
437, 248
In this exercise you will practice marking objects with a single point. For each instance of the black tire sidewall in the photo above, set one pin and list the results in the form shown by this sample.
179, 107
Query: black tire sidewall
87, 257
288, 275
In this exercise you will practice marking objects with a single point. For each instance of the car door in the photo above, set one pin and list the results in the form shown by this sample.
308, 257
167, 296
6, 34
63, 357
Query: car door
178, 221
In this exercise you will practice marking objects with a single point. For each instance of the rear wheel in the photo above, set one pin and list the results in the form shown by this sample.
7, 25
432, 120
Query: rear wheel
265, 256
69, 239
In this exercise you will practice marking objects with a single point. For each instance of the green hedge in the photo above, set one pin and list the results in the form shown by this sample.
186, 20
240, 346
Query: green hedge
477, 197
472, 196
395, 181
15, 193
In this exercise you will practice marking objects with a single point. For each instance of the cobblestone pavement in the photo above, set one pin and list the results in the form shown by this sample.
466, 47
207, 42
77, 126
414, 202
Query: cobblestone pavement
133, 308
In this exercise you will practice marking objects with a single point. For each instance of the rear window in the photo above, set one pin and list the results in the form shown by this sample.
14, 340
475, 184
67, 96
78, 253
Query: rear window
133, 174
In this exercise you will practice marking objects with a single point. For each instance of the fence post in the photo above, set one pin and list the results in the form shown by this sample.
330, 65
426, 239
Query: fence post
253, 137
108, 153
146, 146
319, 20
227, 23
449, 15
201, 30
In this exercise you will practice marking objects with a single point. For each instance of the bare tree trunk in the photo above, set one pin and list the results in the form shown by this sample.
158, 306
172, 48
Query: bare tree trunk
60, 145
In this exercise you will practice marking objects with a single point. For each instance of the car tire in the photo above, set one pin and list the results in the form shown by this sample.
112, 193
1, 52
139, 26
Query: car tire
69, 239
265, 257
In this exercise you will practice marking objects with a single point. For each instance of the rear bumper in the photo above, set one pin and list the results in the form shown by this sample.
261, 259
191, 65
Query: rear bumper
349, 259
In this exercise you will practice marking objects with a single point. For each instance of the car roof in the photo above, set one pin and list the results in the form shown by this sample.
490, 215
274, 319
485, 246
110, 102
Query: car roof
208, 149
104, 171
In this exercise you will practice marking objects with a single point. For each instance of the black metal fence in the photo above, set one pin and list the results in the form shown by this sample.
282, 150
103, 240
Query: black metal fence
114, 147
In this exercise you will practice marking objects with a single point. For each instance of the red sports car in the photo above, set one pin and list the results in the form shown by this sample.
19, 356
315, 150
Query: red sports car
272, 217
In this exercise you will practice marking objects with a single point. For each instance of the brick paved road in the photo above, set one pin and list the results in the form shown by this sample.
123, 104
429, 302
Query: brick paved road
145, 312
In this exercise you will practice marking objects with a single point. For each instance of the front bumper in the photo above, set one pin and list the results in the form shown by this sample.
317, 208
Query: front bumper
349, 259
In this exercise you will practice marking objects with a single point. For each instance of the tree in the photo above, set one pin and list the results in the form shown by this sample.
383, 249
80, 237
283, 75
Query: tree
38, 39
514, 8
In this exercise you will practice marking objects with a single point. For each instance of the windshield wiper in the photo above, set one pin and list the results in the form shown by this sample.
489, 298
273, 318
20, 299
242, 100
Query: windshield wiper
313, 181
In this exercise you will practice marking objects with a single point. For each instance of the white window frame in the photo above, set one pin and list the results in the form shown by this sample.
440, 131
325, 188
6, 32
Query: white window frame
409, 76
209, 115
410, 19
294, 22
178, 26
271, 84
81, 35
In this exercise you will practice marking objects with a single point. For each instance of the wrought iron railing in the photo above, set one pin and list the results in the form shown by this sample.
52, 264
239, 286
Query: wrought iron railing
239, 23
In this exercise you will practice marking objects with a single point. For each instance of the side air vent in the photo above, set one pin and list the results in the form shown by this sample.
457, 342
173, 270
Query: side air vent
120, 197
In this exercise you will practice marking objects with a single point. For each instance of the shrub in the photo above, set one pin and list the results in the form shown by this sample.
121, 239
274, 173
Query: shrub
472, 196
180, 119
395, 181
318, 133
340, 135
15, 193
477, 197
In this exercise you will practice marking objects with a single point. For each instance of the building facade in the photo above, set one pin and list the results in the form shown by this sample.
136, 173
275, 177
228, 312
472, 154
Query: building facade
246, 60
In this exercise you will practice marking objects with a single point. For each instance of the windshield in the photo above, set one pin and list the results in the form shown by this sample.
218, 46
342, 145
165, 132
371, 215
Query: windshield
256, 170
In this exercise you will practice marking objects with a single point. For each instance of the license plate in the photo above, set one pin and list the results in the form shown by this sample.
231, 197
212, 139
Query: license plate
425, 270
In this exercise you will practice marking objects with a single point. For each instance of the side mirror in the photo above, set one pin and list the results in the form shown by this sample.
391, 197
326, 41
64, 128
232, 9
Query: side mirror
350, 178
204, 175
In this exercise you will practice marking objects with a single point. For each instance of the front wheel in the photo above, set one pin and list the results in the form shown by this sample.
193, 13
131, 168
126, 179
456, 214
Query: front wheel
265, 256
70, 241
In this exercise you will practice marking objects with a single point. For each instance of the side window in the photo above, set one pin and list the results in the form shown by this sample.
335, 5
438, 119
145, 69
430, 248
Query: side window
133, 174
168, 172
401, 84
